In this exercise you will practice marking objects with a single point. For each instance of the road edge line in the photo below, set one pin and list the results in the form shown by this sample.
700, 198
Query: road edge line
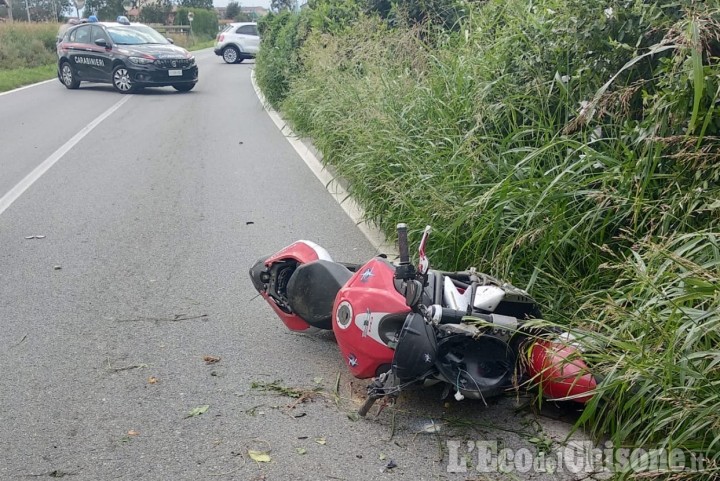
25, 87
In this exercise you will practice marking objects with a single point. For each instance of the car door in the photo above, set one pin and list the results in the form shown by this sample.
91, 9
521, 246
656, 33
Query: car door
101, 65
78, 50
89, 59
249, 38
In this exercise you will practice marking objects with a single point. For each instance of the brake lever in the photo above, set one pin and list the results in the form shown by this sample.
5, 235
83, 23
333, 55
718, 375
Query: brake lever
424, 263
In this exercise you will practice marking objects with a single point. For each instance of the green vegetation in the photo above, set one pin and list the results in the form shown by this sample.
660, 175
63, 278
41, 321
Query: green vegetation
12, 79
24, 45
204, 24
27, 52
568, 146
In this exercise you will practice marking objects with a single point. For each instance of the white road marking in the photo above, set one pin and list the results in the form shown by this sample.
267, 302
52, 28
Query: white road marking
13, 194
27, 87
333, 186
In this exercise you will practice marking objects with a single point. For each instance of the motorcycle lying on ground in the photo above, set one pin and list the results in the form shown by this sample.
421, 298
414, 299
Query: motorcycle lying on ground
402, 325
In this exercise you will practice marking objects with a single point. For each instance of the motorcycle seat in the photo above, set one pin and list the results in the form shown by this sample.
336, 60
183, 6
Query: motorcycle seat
312, 289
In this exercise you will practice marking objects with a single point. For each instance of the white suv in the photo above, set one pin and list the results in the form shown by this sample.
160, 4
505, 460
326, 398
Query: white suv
237, 42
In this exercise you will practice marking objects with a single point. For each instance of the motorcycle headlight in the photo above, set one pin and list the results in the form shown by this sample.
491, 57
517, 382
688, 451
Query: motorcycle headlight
141, 60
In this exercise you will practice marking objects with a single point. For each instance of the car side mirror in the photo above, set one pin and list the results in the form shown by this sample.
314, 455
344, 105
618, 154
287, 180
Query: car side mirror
101, 42
170, 40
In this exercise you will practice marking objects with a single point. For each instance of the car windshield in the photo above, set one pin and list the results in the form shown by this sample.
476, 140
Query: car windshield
135, 35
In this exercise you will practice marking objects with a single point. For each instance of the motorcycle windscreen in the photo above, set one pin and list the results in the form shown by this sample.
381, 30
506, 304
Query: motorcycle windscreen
416, 349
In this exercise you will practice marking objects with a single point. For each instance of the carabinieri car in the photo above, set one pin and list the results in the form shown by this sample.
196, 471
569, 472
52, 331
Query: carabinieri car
128, 56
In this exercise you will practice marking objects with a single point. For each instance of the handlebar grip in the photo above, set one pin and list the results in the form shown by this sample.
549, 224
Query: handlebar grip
403, 244
445, 315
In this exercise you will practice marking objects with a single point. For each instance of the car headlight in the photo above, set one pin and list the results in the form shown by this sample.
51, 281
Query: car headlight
141, 60
191, 61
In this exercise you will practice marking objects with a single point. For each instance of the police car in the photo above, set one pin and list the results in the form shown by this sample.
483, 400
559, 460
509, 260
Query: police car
128, 56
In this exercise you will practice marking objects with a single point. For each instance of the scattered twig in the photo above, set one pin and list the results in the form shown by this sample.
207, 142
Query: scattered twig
124, 368
20, 341
54, 474
234, 470
176, 318
392, 426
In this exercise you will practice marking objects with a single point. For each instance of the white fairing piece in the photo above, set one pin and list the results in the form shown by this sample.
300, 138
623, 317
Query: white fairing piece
369, 322
487, 298
452, 297
322, 254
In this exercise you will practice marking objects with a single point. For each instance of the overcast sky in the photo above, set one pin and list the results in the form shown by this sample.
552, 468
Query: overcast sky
243, 3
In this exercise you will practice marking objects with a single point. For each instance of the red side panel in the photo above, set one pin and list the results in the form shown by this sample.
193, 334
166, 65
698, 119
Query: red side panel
560, 371
302, 252
291, 321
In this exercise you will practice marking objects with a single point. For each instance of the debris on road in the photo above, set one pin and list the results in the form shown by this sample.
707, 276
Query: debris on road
198, 411
390, 465
175, 318
211, 359
259, 456
35, 237
125, 368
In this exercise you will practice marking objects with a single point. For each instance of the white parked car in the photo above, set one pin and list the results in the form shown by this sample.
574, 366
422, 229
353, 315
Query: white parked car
237, 42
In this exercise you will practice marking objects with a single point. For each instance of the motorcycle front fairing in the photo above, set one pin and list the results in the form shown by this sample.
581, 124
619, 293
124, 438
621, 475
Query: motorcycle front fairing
560, 371
368, 315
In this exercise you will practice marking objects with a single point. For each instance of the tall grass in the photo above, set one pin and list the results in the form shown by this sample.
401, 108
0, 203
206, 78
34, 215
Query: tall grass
27, 45
568, 146
655, 335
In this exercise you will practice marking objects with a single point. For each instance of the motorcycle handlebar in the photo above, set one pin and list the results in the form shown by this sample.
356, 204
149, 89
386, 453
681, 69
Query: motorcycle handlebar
403, 244
444, 315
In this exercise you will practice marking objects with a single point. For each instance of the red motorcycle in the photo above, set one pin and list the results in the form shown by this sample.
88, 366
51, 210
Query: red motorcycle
403, 325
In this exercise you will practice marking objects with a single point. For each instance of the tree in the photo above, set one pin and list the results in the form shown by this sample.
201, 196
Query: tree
104, 9
233, 10
282, 5
156, 12
206, 4
40, 10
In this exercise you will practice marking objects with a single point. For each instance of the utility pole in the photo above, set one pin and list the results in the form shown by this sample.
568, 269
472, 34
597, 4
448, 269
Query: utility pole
27, 9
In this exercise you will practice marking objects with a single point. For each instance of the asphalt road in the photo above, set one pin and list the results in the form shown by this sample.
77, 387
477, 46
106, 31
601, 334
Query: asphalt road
150, 222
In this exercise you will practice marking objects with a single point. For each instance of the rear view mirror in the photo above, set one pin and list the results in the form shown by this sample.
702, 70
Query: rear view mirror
413, 292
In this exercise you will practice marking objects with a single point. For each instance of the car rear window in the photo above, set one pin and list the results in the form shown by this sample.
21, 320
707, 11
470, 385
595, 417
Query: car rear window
247, 30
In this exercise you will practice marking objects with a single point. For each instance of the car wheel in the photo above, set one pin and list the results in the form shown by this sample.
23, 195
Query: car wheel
231, 54
122, 81
183, 87
68, 77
